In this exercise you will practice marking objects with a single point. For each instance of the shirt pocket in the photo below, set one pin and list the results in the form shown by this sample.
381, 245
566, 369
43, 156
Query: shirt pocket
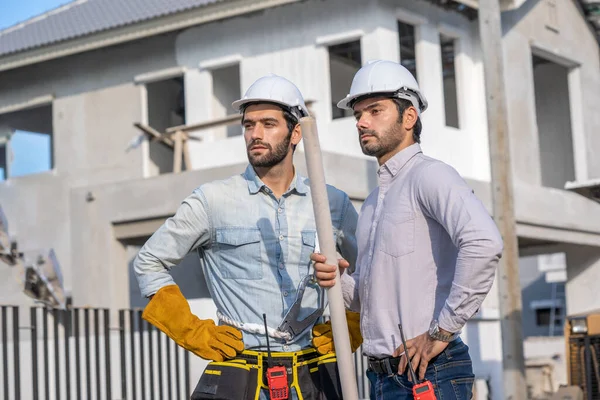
308, 247
397, 234
239, 253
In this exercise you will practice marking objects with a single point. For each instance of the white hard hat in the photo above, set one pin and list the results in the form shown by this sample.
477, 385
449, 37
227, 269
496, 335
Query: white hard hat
385, 78
274, 89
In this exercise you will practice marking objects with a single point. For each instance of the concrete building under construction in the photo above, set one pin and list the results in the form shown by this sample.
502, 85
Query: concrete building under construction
83, 75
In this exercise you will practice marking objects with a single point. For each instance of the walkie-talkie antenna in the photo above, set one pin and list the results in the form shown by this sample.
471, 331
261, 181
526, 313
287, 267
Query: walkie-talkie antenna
267, 335
413, 376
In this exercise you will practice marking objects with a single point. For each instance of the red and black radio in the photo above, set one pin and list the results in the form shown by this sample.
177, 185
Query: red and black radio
278, 382
277, 378
423, 391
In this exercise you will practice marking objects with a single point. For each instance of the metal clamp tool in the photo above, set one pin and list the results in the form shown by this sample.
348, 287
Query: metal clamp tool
290, 322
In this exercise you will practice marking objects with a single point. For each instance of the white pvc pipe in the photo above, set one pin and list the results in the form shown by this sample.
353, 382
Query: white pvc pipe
339, 325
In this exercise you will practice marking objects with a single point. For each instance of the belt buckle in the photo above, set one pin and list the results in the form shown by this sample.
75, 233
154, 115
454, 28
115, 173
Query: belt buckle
388, 367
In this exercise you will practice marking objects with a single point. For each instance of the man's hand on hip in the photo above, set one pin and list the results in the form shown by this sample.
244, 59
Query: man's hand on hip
420, 349
325, 273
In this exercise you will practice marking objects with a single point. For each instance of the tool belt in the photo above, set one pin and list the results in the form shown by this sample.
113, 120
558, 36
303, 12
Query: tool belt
313, 376
388, 365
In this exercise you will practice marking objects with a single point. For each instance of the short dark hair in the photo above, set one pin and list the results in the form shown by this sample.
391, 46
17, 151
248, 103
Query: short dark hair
290, 119
402, 105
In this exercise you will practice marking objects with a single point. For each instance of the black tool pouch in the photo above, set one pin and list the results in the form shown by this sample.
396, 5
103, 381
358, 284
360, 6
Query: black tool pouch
329, 377
320, 380
226, 381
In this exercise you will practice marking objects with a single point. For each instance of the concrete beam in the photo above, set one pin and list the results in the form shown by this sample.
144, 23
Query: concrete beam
117, 212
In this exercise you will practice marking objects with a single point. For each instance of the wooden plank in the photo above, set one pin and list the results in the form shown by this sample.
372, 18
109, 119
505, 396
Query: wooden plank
227, 120
177, 153
154, 133
186, 156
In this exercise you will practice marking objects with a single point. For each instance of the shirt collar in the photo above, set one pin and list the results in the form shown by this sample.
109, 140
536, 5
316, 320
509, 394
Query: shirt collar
255, 184
398, 161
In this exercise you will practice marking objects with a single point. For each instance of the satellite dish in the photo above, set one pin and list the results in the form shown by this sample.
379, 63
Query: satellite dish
8, 250
44, 281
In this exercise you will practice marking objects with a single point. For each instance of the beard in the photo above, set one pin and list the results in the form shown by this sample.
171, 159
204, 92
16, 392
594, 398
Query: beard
380, 145
272, 156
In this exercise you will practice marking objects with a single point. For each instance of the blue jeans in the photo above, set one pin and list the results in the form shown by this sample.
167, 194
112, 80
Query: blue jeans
450, 373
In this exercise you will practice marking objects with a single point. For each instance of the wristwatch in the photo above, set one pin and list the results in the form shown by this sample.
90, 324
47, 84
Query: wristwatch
435, 333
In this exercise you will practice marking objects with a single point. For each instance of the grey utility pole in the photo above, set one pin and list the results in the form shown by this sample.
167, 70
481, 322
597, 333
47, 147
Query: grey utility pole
509, 286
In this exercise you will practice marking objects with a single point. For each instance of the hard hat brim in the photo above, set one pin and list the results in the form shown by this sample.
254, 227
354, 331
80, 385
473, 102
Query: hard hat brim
345, 103
239, 104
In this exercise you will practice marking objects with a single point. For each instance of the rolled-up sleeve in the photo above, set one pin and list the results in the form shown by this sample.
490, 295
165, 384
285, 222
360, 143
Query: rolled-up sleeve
348, 248
346, 240
447, 198
350, 291
188, 229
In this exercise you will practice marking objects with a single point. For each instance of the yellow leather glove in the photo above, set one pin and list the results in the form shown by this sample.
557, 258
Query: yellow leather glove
170, 312
323, 335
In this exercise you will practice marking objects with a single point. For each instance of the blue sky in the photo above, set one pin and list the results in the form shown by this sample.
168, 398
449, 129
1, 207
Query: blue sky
15, 11
30, 151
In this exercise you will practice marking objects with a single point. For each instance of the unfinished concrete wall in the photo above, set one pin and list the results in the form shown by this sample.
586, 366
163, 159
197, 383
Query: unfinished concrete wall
295, 46
92, 135
87, 72
226, 90
583, 274
95, 104
38, 217
529, 30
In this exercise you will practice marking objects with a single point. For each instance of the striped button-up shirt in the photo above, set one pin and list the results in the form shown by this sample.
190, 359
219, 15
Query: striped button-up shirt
427, 249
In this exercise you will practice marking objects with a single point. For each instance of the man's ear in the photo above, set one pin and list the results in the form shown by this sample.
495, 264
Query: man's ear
410, 117
296, 135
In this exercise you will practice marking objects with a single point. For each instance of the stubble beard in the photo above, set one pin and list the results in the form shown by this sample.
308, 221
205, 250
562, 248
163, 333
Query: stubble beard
380, 145
272, 157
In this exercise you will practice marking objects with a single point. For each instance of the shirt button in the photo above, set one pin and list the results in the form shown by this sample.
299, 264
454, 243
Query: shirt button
285, 293
280, 237
279, 210
281, 266
286, 347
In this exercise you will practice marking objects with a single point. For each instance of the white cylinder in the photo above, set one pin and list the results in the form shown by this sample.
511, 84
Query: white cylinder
339, 325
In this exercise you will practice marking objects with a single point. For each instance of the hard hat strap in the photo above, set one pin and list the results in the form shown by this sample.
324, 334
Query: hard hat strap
407, 94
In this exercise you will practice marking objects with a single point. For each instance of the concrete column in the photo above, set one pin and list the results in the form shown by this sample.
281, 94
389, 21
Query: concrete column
429, 71
5, 133
520, 103
380, 44
583, 275
198, 95
320, 91
198, 107
474, 99
101, 278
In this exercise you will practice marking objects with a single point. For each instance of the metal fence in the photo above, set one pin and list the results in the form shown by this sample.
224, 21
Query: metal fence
96, 354
87, 353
